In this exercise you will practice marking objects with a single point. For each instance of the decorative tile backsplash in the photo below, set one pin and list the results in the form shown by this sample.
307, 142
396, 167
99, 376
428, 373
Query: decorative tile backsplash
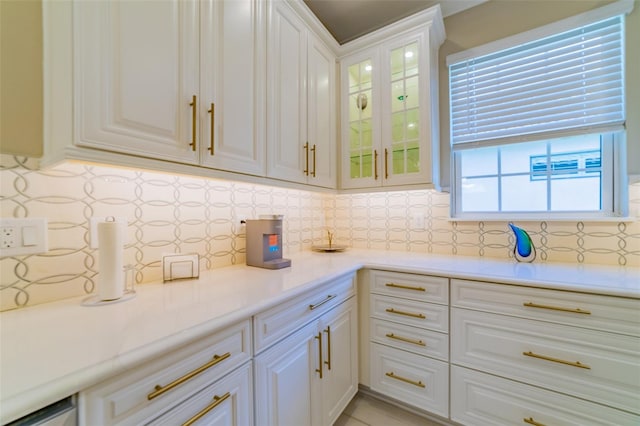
178, 214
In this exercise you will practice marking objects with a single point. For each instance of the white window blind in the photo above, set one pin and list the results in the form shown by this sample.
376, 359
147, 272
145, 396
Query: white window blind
567, 83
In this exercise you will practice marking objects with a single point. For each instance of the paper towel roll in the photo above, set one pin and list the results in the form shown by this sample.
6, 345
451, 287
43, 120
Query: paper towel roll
110, 258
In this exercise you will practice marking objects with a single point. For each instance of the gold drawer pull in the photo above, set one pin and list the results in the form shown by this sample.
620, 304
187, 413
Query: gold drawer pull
561, 361
319, 369
217, 400
402, 379
317, 305
406, 339
194, 119
557, 308
532, 422
408, 314
406, 287
159, 390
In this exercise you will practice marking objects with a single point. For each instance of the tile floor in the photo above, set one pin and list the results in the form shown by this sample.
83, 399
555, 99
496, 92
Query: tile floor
365, 410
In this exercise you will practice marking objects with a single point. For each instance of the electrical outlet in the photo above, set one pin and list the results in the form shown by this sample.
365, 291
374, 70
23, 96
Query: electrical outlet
417, 220
8, 235
23, 236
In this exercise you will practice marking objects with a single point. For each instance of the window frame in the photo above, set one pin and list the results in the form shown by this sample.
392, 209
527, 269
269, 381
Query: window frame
614, 183
613, 190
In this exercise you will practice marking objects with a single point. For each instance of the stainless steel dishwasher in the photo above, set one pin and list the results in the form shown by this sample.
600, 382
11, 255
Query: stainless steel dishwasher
61, 413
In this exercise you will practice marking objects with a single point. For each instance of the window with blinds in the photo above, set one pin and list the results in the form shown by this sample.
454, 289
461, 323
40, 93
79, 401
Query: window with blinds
537, 128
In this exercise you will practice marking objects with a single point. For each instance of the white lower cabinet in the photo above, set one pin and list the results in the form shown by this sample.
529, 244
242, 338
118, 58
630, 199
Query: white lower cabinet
409, 341
309, 377
484, 399
140, 395
542, 357
227, 402
413, 379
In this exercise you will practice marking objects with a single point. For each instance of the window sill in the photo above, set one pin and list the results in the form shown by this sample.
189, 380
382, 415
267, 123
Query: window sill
515, 218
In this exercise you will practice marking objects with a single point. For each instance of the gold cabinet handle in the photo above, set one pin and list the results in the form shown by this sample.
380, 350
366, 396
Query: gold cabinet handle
402, 379
406, 339
408, 314
533, 422
328, 361
313, 150
560, 361
306, 156
159, 390
375, 164
317, 305
217, 400
212, 111
194, 118
386, 164
405, 287
557, 308
320, 363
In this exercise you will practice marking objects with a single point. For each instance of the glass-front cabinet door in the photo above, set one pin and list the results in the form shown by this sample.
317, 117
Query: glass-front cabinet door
406, 138
388, 105
361, 118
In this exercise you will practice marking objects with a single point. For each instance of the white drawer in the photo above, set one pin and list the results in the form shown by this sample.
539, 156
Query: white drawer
411, 286
233, 395
483, 399
410, 312
278, 322
124, 399
413, 379
413, 339
614, 314
590, 364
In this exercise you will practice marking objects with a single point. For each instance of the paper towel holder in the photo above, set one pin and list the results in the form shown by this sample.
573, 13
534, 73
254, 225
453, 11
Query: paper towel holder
129, 290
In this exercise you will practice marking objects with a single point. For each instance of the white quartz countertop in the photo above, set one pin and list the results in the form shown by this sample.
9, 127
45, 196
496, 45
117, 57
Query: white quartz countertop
50, 351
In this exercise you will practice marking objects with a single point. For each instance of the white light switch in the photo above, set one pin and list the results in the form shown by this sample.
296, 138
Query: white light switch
29, 236
23, 236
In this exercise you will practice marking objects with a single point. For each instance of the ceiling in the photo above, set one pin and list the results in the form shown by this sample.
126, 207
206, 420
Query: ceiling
347, 20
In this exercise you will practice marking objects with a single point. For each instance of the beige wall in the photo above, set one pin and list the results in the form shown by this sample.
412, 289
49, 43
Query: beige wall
21, 77
498, 19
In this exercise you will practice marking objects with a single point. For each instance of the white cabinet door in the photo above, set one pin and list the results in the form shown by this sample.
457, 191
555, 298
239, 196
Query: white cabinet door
301, 102
227, 402
231, 114
136, 72
390, 110
321, 114
286, 382
311, 376
340, 359
286, 94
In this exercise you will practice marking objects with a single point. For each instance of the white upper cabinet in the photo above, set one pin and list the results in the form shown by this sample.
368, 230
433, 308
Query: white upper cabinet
171, 80
301, 117
232, 86
390, 106
137, 69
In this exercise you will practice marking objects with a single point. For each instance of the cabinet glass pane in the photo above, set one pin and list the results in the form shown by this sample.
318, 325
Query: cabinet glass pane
413, 125
360, 125
397, 64
367, 136
397, 127
354, 135
411, 60
397, 96
354, 77
398, 159
365, 75
405, 117
413, 157
411, 92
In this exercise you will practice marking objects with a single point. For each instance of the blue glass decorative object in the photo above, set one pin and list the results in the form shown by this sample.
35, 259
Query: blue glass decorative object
523, 251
